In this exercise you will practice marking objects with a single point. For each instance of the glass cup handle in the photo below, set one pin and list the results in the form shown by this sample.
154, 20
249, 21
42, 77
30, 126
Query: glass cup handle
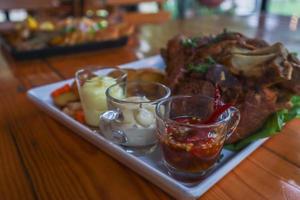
235, 117
105, 125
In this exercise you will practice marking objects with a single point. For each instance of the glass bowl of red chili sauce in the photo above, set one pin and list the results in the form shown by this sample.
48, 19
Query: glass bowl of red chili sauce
191, 132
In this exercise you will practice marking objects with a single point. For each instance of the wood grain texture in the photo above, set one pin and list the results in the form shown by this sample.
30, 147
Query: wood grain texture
15, 181
147, 18
42, 159
66, 66
290, 137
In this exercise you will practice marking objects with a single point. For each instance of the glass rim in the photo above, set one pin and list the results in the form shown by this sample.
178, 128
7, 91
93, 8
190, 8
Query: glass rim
167, 95
169, 120
97, 68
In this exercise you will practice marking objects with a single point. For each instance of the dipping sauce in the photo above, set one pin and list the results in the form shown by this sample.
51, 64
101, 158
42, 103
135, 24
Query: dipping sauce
191, 150
93, 97
138, 121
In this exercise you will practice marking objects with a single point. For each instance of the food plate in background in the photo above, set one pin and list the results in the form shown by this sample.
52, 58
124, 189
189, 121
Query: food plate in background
149, 166
61, 50
34, 38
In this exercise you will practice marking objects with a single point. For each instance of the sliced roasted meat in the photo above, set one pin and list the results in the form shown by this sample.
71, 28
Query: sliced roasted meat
293, 85
195, 87
255, 110
254, 76
258, 43
230, 86
175, 64
259, 62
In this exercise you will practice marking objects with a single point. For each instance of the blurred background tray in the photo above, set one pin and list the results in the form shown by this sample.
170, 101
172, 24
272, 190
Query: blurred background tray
60, 50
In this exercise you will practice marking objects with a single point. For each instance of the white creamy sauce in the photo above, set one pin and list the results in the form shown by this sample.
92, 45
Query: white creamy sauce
93, 97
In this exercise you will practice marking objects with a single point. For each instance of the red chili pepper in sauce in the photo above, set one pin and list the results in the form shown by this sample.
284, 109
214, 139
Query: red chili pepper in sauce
209, 153
219, 106
214, 116
217, 98
199, 135
199, 150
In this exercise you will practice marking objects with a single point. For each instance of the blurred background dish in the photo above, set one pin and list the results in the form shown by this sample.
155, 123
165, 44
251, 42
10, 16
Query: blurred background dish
31, 24
146, 10
33, 34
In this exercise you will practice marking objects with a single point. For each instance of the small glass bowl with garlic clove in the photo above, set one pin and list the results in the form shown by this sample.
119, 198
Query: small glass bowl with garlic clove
130, 119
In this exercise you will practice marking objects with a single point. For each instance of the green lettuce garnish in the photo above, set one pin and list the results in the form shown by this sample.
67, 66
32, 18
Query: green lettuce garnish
272, 126
202, 67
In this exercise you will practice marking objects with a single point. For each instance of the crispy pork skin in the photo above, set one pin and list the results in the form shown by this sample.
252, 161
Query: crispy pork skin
254, 76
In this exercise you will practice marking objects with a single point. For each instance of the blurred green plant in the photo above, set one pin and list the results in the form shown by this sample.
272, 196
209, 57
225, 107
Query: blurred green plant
284, 7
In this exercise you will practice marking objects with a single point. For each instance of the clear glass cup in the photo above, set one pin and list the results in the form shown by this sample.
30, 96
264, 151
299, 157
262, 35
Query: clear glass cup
130, 121
92, 83
190, 142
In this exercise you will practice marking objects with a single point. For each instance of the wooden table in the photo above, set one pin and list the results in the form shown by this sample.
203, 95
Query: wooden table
42, 159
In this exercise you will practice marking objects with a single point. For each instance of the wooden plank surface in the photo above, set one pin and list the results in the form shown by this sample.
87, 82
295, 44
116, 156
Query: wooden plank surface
67, 65
41, 159
15, 182
147, 18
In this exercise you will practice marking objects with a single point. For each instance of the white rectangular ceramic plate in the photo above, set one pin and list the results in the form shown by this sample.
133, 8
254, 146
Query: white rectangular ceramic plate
149, 166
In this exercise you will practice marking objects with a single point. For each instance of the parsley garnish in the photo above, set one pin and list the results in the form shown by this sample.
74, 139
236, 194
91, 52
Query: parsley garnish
202, 67
190, 42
